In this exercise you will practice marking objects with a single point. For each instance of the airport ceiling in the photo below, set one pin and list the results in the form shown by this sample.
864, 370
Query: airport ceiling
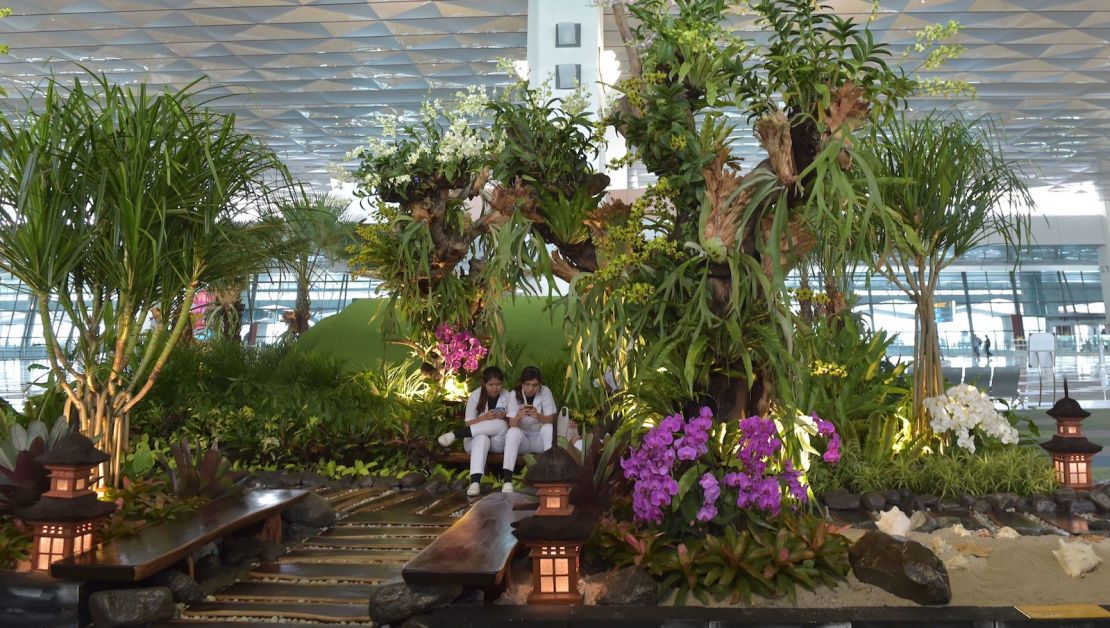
308, 75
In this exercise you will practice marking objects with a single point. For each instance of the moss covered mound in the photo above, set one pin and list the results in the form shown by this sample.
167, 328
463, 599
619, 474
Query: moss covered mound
355, 335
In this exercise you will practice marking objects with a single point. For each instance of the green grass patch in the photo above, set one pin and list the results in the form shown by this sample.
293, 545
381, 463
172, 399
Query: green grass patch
354, 335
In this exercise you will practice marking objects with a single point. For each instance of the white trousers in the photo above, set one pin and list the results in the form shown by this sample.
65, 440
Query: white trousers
487, 436
527, 441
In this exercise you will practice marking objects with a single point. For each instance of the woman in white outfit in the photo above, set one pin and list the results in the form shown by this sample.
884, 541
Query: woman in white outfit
532, 413
485, 427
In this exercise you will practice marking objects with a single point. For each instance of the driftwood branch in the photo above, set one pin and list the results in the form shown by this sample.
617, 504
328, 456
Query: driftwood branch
620, 16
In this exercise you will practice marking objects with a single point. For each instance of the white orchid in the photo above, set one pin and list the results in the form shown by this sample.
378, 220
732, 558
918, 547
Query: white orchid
962, 410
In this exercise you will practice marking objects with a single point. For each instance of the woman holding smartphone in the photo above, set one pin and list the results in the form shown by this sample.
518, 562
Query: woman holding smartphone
532, 413
485, 427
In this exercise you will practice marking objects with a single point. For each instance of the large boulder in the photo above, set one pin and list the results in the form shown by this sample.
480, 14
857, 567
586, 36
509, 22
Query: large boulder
630, 586
131, 607
905, 568
395, 601
313, 510
183, 588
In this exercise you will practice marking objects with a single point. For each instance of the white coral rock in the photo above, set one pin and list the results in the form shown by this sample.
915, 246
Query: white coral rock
1076, 558
894, 522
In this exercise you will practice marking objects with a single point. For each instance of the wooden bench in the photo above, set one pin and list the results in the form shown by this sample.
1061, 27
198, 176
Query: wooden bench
463, 458
476, 550
165, 544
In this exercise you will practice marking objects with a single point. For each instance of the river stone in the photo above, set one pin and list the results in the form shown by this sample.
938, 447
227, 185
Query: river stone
873, 501
1082, 506
1064, 496
630, 586
1002, 501
313, 510
299, 532
412, 479
435, 486
922, 521
950, 505
1042, 503
181, 586
981, 505
266, 479
131, 607
395, 601
840, 499
241, 549
927, 499
1100, 499
894, 497
902, 567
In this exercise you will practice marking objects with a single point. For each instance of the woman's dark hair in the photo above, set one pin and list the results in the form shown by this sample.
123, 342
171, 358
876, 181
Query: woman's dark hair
528, 374
490, 372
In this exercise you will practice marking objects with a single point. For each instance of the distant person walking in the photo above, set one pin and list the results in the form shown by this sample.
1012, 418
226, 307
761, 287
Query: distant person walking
975, 344
987, 346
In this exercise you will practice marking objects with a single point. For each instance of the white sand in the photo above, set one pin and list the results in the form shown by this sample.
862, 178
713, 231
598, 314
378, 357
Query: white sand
1016, 572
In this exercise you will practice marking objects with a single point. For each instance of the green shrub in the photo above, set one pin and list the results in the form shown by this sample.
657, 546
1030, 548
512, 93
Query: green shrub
269, 407
15, 544
1017, 469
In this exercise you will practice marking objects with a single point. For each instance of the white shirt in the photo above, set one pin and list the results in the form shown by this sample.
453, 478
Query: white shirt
472, 410
544, 403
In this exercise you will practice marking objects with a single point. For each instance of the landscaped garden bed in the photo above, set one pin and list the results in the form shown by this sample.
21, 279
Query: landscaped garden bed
739, 431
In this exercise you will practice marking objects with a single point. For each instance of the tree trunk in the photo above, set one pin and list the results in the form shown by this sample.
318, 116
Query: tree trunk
302, 309
928, 380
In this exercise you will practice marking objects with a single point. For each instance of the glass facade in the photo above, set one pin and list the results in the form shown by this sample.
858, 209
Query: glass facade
267, 297
1057, 289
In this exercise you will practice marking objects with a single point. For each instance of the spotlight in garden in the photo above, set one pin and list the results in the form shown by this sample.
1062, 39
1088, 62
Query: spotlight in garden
64, 520
1071, 451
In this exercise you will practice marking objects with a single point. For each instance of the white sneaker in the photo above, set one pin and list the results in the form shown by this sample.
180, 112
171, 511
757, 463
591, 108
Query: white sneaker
474, 489
507, 487
446, 439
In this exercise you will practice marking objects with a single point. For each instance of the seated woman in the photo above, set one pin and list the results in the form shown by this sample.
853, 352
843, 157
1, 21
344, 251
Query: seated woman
532, 413
485, 427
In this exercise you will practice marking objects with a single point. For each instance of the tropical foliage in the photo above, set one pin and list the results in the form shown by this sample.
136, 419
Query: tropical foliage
119, 201
947, 188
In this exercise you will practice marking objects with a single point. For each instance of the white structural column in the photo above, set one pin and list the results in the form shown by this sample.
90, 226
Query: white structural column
554, 27
1104, 259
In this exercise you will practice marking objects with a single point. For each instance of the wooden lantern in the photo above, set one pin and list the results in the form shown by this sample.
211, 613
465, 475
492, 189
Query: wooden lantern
554, 499
1071, 451
555, 573
556, 532
63, 522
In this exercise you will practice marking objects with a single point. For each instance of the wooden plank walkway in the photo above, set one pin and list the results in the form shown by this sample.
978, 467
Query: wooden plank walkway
327, 579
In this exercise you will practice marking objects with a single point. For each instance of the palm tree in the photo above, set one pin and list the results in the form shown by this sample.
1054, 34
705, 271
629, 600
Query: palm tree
116, 202
944, 182
314, 232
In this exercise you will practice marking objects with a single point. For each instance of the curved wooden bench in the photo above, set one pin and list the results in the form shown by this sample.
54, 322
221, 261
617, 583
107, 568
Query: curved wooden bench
476, 550
164, 544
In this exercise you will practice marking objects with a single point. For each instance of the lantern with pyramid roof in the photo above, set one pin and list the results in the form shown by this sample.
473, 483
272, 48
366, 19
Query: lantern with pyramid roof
63, 522
1071, 451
